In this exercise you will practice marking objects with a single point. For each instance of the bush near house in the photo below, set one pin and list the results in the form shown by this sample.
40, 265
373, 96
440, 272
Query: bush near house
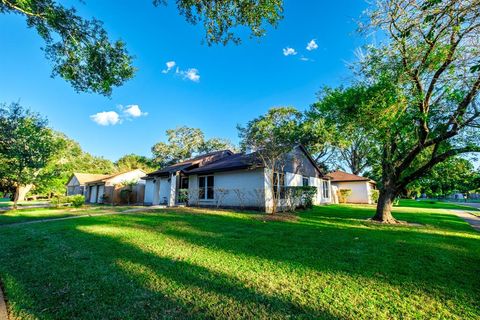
343, 194
75, 201
374, 194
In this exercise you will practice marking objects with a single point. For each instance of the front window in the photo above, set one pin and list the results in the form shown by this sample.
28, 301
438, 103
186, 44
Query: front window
326, 189
279, 185
305, 182
206, 186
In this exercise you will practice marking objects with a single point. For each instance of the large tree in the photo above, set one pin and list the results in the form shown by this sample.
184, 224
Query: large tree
352, 148
83, 54
426, 79
185, 142
26, 146
134, 161
68, 158
271, 137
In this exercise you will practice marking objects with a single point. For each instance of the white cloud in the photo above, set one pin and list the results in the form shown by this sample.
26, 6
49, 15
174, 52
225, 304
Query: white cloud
289, 51
106, 118
190, 74
170, 65
133, 111
312, 45
305, 59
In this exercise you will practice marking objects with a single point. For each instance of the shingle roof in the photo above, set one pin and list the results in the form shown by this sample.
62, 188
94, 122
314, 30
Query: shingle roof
233, 162
184, 165
88, 177
338, 176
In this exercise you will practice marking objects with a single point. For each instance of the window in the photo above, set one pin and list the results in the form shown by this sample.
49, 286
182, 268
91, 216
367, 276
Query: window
305, 182
184, 183
326, 189
279, 185
206, 188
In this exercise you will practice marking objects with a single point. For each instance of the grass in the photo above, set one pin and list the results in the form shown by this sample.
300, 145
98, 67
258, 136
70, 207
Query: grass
34, 214
433, 204
330, 263
5, 202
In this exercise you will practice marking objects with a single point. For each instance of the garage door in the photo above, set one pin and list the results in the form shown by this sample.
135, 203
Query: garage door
93, 194
101, 191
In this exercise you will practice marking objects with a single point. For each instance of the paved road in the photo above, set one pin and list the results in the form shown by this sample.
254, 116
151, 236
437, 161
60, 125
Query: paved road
471, 204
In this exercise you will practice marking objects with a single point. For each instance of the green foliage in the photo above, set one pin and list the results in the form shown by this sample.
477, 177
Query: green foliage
343, 195
26, 145
220, 17
374, 195
132, 161
352, 145
76, 201
184, 143
80, 49
67, 159
83, 54
183, 196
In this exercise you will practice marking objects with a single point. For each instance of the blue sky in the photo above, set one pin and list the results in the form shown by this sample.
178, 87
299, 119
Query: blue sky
235, 84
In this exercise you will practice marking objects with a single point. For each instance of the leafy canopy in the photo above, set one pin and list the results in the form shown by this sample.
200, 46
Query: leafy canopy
25, 144
83, 54
185, 142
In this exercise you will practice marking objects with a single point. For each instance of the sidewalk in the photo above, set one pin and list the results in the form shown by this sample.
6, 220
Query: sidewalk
472, 220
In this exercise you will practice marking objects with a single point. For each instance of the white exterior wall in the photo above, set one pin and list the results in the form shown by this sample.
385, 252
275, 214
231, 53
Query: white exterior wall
249, 184
360, 191
149, 190
127, 176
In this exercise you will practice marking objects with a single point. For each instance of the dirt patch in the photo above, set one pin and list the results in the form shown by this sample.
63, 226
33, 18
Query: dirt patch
277, 217
397, 223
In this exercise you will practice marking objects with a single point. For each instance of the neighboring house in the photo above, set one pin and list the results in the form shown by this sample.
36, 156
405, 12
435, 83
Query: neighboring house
76, 184
225, 179
109, 189
361, 187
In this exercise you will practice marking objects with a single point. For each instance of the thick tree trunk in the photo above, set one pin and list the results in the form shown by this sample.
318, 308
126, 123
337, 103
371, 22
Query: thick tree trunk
23, 190
384, 207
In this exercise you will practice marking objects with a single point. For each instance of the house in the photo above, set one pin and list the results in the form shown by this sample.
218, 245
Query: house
361, 187
76, 183
125, 187
227, 179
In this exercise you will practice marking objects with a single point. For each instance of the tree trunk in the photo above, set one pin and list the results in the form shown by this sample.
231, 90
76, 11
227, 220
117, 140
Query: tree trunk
384, 207
16, 197
23, 190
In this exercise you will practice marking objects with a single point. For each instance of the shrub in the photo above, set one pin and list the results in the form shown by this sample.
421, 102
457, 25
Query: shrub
300, 196
343, 194
183, 196
375, 194
77, 200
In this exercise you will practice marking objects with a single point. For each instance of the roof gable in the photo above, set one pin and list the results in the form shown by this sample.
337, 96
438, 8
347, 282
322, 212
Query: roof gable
339, 176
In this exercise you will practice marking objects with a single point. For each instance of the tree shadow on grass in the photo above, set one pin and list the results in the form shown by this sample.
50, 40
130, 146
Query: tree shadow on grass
62, 271
74, 274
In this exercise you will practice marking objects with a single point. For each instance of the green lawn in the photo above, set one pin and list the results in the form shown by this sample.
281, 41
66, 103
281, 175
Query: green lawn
331, 263
26, 215
7, 203
433, 204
